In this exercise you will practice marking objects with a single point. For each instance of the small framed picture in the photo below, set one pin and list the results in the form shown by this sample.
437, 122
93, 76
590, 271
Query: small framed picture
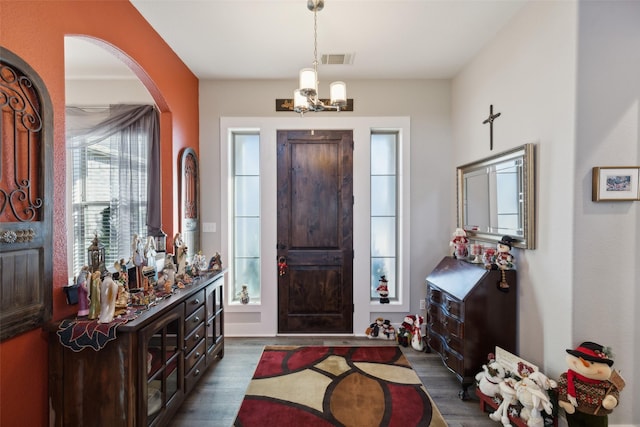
616, 183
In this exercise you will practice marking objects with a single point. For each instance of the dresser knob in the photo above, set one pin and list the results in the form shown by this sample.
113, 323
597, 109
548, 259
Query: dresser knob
197, 355
196, 301
196, 373
445, 322
197, 337
196, 319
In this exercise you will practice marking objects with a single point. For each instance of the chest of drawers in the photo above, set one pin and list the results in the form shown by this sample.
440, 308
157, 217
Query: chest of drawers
468, 316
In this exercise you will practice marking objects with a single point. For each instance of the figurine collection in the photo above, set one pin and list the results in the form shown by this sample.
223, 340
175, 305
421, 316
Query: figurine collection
106, 293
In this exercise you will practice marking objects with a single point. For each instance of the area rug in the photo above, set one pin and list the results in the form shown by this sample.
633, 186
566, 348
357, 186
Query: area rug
313, 386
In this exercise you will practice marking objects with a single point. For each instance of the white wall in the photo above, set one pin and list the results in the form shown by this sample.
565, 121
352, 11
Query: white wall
427, 104
528, 74
566, 75
607, 234
106, 92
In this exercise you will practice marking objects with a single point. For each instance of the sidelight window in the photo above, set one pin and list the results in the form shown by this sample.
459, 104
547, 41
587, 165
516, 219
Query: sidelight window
246, 215
384, 211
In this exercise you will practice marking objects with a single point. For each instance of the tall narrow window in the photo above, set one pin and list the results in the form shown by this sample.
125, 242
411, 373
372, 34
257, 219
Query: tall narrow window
109, 168
384, 208
246, 215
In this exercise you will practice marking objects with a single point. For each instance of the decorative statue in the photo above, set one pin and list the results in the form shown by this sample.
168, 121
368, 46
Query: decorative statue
94, 296
83, 281
137, 251
108, 296
216, 262
244, 295
177, 242
170, 270
150, 252
199, 262
181, 256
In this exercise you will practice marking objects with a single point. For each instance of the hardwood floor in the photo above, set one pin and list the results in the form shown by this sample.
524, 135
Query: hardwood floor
218, 395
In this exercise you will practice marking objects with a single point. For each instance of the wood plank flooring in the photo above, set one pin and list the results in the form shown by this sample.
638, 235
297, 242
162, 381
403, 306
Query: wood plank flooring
217, 397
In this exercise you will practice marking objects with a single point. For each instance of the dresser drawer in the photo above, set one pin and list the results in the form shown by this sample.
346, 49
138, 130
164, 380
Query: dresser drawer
435, 295
434, 342
194, 356
455, 344
194, 302
194, 338
193, 321
454, 361
453, 326
454, 307
192, 377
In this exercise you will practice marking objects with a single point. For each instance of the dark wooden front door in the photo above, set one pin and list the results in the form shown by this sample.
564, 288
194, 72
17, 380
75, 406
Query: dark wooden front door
315, 231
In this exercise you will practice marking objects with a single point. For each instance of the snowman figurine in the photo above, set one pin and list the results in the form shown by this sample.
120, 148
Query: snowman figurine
590, 389
383, 290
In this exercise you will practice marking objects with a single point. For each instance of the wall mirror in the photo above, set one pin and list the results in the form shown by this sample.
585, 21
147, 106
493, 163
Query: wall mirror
496, 197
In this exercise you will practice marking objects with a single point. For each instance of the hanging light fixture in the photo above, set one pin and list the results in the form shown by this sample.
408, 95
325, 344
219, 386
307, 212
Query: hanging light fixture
305, 98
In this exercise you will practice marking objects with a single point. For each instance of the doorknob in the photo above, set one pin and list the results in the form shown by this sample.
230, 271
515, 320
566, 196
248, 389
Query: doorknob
282, 266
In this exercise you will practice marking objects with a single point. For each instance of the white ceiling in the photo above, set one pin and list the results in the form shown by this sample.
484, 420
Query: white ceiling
273, 39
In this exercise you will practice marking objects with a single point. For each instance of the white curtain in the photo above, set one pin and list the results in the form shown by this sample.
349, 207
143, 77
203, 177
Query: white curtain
118, 132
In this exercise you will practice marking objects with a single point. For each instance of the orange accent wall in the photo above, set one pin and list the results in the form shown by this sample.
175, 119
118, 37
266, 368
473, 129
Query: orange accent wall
35, 31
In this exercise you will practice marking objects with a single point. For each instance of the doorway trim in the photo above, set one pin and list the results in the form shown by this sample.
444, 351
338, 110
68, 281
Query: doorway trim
262, 319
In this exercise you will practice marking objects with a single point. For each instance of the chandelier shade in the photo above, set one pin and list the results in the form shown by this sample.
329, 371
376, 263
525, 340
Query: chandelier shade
338, 92
308, 82
305, 98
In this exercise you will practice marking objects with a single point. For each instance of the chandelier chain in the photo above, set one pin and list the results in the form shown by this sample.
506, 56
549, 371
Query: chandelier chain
315, 40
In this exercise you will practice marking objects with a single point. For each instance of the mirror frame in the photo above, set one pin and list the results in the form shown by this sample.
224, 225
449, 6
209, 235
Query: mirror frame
527, 153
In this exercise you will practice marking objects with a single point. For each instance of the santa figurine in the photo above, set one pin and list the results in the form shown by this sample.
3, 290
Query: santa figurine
383, 290
460, 244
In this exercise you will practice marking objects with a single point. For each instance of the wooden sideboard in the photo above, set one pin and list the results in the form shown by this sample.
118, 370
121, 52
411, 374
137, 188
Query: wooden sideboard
141, 377
468, 316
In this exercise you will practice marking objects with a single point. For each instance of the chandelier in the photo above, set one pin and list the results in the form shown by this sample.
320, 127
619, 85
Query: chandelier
306, 97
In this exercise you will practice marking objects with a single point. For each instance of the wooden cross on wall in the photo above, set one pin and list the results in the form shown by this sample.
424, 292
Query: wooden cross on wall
490, 120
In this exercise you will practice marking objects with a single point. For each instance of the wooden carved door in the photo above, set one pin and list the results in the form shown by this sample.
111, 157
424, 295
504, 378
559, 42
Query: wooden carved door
26, 198
315, 231
190, 202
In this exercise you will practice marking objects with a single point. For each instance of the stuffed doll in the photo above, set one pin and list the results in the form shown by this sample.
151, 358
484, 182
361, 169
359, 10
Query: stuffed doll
416, 334
590, 389
404, 331
375, 328
490, 377
508, 393
388, 331
532, 394
460, 244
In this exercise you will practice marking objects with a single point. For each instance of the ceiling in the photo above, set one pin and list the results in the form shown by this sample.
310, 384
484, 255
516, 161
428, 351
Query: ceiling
273, 39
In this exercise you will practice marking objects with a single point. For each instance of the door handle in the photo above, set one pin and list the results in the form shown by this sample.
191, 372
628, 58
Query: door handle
282, 266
